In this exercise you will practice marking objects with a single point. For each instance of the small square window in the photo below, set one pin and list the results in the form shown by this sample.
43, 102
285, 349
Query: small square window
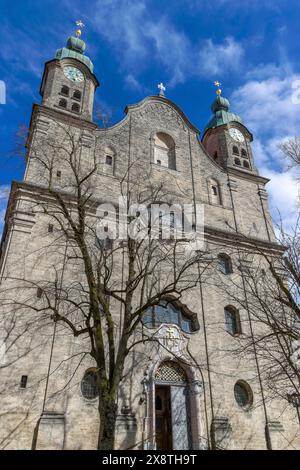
58, 174
158, 162
23, 382
39, 292
108, 160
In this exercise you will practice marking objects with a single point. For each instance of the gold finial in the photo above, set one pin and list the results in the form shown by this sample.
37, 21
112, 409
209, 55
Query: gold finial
218, 90
80, 25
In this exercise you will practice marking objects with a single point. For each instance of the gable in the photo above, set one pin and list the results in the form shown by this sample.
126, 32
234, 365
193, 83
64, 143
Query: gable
163, 112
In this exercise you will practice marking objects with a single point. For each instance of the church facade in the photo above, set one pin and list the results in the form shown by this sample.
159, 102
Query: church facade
190, 389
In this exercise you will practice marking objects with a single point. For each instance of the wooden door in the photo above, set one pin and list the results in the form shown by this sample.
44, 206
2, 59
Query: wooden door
163, 419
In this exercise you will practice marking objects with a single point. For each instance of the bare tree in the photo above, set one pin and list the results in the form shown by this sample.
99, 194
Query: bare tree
291, 150
88, 302
269, 297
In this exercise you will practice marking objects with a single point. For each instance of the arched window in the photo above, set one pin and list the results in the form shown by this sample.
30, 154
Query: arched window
235, 150
243, 394
224, 263
244, 153
77, 95
164, 150
65, 90
232, 321
245, 164
167, 312
214, 192
89, 387
237, 161
62, 103
75, 107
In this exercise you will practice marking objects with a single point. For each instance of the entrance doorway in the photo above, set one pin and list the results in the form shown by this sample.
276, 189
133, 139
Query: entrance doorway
172, 408
163, 418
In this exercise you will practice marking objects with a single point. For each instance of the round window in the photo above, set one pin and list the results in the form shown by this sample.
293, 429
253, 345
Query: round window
89, 387
243, 394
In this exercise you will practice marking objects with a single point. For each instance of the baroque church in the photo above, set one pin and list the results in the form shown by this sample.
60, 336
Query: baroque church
190, 389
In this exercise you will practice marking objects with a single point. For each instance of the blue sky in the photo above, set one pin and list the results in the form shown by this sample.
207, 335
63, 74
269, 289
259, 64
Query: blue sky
251, 46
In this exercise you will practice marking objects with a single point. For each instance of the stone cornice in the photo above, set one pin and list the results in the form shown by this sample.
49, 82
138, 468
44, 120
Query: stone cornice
242, 241
56, 115
248, 176
211, 234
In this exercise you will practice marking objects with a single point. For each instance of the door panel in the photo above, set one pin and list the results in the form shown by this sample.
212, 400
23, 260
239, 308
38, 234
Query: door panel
179, 403
163, 426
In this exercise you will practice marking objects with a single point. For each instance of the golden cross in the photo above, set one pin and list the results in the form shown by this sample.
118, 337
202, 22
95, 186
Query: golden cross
218, 84
80, 25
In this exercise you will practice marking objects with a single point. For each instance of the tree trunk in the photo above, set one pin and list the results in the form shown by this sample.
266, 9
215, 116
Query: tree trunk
108, 415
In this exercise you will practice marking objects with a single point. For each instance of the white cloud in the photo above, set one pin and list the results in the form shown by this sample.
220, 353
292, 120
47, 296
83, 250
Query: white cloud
284, 193
267, 105
268, 110
217, 58
133, 83
139, 37
21, 50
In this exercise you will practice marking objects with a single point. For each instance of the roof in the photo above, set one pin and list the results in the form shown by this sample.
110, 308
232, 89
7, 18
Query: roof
221, 114
75, 49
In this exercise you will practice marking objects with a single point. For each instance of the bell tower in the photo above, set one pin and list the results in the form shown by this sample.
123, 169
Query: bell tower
69, 83
226, 138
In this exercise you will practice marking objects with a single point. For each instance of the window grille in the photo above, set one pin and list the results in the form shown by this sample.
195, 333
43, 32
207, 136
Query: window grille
170, 371
89, 387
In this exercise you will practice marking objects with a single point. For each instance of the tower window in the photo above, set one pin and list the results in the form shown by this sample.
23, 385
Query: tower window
62, 103
244, 153
245, 164
237, 161
243, 394
235, 150
224, 263
58, 173
216, 156
164, 150
75, 107
65, 90
232, 321
109, 160
50, 228
89, 387
23, 382
77, 95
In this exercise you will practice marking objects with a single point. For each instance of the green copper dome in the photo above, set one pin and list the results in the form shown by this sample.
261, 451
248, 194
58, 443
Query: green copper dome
75, 50
221, 114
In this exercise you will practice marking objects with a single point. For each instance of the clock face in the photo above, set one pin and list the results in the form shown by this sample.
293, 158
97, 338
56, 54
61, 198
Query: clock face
236, 134
72, 73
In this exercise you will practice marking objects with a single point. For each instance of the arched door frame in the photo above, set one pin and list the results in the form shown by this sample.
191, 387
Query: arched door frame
195, 386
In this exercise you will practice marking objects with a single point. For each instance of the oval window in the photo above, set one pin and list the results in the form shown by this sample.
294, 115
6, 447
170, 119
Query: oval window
243, 394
